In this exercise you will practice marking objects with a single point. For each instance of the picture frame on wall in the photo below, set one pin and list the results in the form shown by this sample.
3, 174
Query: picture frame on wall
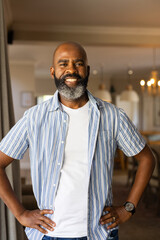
27, 99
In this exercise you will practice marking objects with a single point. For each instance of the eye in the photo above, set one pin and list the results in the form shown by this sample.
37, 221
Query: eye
79, 64
63, 64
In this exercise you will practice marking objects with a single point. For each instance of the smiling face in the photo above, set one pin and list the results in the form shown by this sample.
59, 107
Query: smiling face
70, 70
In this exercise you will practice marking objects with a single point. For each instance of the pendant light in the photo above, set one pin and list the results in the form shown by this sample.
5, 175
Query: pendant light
102, 92
129, 94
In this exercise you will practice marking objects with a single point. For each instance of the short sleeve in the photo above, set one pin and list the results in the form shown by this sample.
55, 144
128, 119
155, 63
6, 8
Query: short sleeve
129, 140
15, 143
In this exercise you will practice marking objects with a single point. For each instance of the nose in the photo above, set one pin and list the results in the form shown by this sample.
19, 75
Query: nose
71, 69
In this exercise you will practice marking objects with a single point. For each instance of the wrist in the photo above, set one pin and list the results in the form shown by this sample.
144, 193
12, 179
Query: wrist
20, 213
129, 207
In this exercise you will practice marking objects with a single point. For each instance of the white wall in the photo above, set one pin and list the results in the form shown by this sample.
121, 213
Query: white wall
44, 86
22, 80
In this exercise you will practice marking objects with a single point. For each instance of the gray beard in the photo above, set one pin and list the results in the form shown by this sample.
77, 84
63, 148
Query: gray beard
71, 93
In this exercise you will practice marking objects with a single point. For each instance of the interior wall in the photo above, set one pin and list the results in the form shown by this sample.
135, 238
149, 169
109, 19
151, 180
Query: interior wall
44, 85
22, 80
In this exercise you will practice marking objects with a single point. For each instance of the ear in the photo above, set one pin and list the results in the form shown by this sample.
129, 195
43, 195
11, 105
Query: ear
52, 72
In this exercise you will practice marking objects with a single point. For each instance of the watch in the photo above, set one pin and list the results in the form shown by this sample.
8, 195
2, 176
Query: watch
129, 207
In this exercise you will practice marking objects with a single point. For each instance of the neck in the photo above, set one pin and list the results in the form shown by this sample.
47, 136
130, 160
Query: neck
77, 103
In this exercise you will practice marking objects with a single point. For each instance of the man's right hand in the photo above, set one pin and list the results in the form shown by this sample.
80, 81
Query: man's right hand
36, 219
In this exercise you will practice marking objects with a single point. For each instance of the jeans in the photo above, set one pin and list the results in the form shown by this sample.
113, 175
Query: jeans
113, 236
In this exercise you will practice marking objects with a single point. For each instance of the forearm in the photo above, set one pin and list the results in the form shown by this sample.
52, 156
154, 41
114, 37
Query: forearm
8, 196
117, 214
144, 172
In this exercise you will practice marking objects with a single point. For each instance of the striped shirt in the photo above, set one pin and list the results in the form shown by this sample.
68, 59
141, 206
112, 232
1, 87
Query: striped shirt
43, 130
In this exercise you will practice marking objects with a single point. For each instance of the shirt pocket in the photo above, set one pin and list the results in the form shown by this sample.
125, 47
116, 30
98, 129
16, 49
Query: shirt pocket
106, 135
107, 144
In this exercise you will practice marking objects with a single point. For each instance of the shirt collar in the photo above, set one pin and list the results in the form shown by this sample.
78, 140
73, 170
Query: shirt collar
55, 103
94, 102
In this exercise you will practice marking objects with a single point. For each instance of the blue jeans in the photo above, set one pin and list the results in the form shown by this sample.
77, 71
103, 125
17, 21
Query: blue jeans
113, 236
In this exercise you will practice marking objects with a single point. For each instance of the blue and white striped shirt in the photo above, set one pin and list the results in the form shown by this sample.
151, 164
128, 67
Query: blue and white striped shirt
43, 130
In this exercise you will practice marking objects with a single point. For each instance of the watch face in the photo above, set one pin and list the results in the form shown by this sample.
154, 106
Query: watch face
129, 207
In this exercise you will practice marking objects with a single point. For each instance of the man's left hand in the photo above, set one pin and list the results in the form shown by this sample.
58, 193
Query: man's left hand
115, 216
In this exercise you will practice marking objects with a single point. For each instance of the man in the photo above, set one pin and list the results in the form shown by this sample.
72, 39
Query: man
72, 139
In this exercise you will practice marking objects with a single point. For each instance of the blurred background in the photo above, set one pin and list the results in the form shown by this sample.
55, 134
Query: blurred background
122, 41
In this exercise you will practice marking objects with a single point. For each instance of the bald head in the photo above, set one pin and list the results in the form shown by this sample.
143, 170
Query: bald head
70, 47
70, 70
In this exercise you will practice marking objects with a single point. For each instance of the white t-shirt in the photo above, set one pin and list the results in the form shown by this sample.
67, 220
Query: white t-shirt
70, 214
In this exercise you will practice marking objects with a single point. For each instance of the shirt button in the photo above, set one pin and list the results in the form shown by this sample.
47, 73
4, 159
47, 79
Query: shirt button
62, 142
54, 184
59, 163
64, 121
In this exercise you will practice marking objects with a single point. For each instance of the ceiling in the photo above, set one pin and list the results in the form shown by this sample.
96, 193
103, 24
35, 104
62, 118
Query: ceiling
116, 34
122, 13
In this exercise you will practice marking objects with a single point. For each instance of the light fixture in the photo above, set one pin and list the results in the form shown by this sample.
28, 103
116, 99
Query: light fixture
153, 84
102, 92
129, 94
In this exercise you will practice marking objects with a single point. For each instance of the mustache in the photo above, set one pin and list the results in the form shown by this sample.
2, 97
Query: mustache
70, 76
